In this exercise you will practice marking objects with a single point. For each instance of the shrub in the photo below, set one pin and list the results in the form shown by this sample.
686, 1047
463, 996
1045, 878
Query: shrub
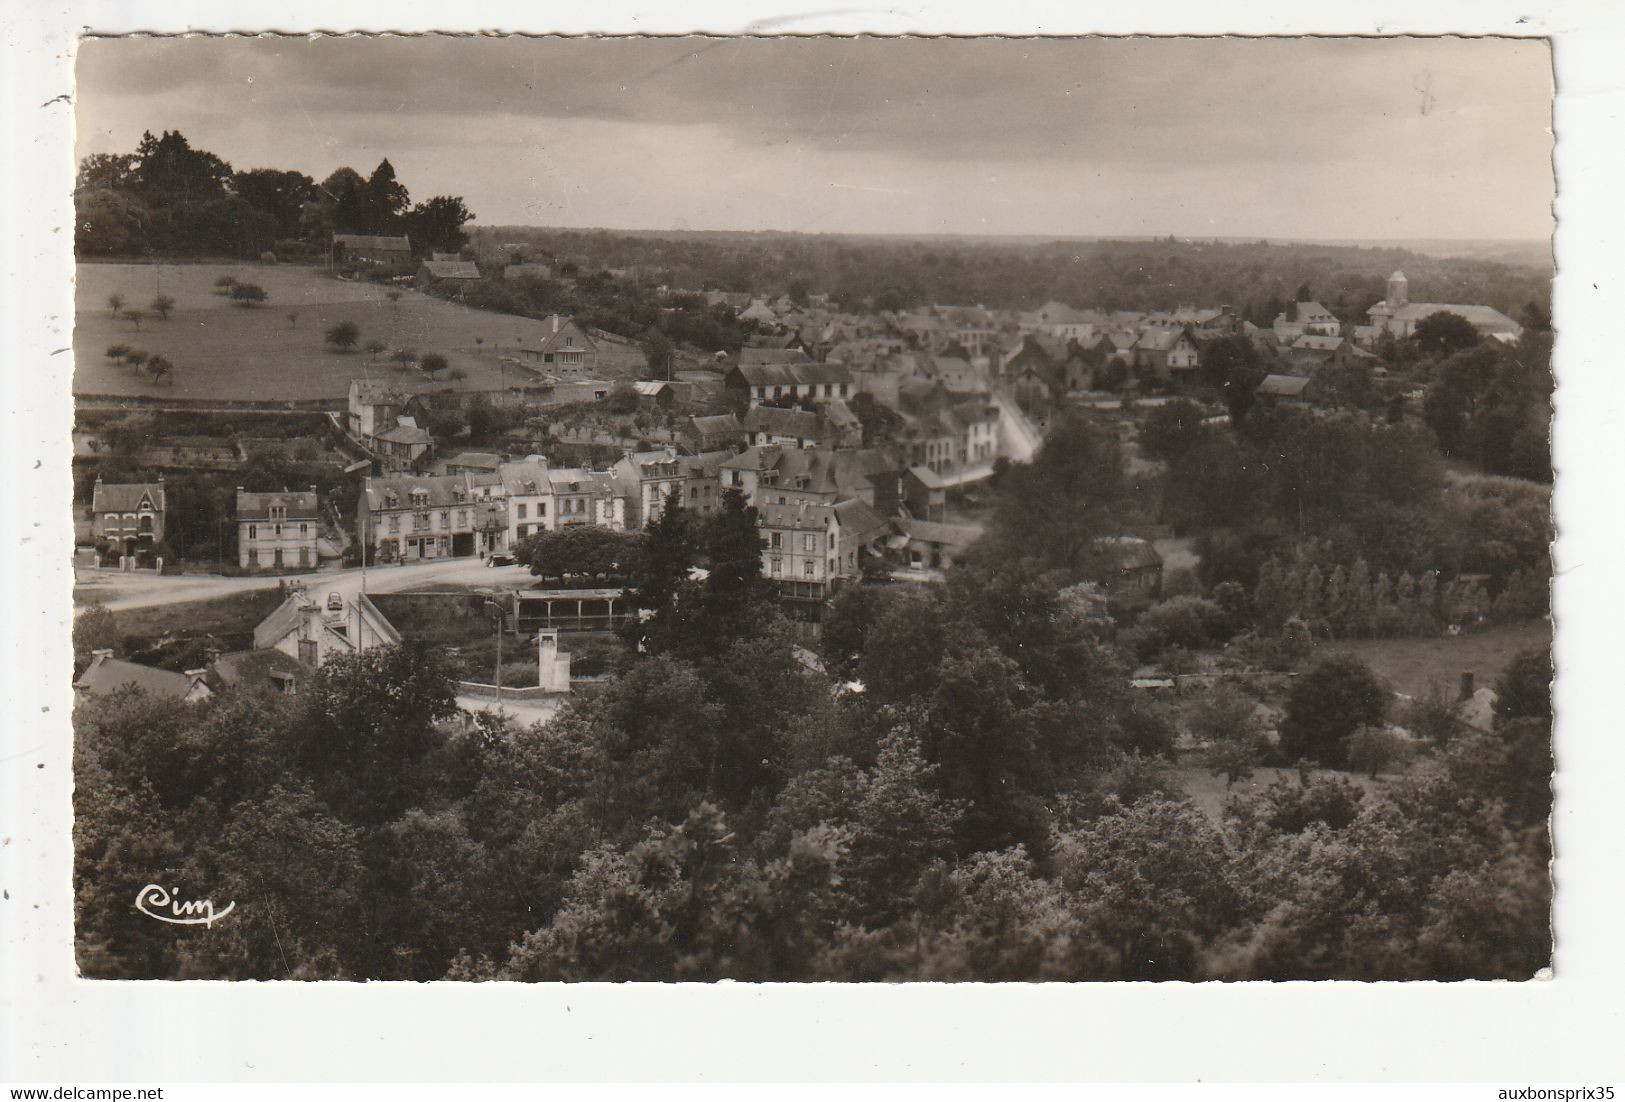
1335, 698
1372, 749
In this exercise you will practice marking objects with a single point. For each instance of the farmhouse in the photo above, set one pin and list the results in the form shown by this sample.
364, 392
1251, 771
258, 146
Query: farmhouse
361, 250
565, 350
311, 632
432, 271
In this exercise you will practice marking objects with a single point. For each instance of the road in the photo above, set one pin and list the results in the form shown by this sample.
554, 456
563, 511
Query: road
144, 589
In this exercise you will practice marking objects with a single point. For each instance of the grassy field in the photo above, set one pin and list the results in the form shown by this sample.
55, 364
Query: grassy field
1411, 664
230, 620
225, 351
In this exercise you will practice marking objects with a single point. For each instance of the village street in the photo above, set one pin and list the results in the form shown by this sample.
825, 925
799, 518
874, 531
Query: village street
145, 589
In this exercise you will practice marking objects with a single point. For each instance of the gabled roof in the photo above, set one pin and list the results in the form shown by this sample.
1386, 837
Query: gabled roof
107, 675
859, 522
929, 478
118, 497
793, 374
483, 461
257, 506
931, 531
757, 355
442, 490
256, 668
1132, 553
650, 388
1486, 318
802, 516
704, 465
554, 339
800, 423
1282, 386
524, 477
717, 424
372, 241
451, 269
1311, 342
403, 433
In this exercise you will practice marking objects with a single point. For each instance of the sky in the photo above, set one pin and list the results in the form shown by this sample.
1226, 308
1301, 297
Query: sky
1328, 139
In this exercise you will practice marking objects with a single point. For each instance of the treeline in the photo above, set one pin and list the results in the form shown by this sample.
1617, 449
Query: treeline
1259, 279
168, 199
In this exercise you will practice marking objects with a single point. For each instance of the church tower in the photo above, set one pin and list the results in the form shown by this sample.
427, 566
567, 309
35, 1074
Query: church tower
1398, 291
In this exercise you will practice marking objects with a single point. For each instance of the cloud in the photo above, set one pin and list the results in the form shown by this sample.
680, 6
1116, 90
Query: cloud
1399, 113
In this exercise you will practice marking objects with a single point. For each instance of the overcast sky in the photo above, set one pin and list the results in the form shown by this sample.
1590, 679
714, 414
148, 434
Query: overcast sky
1306, 138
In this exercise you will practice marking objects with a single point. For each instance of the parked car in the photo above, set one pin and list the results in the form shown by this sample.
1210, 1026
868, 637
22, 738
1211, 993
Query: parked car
335, 602
500, 559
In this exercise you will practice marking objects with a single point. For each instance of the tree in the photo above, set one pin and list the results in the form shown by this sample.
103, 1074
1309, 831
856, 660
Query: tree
162, 305
343, 336
581, 549
116, 352
280, 194
662, 571
1372, 749
248, 294
1171, 429
160, 368
432, 363
437, 225
456, 374
134, 357
224, 284
375, 348
1524, 689
1327, 704
386, 199
1226, 720
1231, 366
94, 628
135, 317
1076, 483
734, 586
405, 357
1443, 333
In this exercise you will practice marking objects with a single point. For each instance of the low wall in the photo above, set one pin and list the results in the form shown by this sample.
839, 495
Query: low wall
528, 692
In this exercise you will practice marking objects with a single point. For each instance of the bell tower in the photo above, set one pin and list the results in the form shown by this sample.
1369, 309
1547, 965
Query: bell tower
1398, 290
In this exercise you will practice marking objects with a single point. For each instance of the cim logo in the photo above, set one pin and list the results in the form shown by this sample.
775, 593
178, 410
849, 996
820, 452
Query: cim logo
167, 906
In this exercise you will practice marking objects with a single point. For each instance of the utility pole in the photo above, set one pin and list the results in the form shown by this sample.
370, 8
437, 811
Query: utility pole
497, 680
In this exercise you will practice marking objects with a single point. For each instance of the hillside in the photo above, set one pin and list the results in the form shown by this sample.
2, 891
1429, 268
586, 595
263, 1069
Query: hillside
225, 351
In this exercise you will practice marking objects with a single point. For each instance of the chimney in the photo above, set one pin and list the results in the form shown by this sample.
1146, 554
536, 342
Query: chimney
1466, 685
555, 323
100, 656
195, 677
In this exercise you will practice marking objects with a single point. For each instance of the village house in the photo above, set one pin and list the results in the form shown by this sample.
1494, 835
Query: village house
268, 670
586, 497
662, 394
714, 432
412, 518
757, 384
526, 492
107, 676
929, 545
1398, 316
1305, 318
1166, 352
773, 474
312, 631
565, 351
925, 494
1134, 570
799, 548
277, 531
454, 269
474, 463
702, 480
1284, 390
127, 520
403, 446
644, 479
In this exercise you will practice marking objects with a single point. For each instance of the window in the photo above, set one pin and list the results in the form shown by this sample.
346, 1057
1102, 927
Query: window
112, 520
253, 532
462, 517
304, 530
541, 508
445, 518
279, 512
395, 522
807, 568
253, 556
307, 651
778, 567
521, 512
773, 540
277, 532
